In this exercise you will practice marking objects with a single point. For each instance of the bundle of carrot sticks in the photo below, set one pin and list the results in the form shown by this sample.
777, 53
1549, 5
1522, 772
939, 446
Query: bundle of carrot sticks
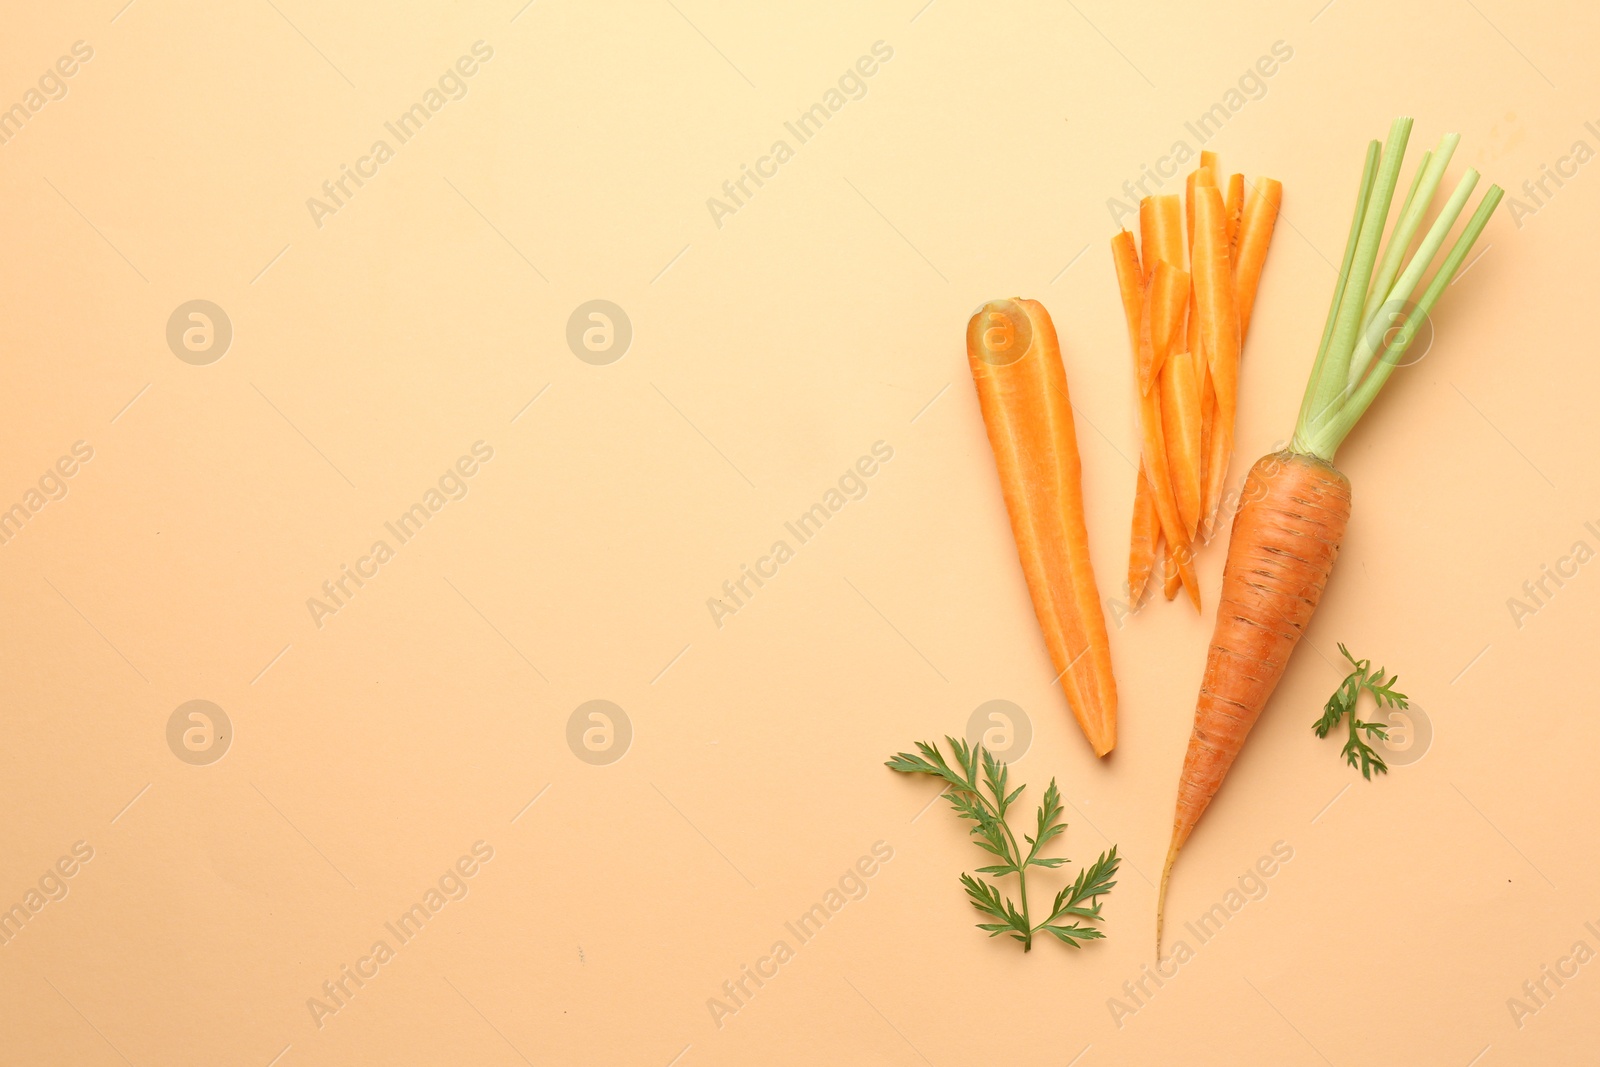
1187, 329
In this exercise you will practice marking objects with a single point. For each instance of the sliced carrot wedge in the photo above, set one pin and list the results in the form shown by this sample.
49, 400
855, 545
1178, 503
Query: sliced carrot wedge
1164, 242
1255, 234
1130, 279
1161, 231
1168, 285
1180, 427
1015, 361
1219, 450
1142, 545
1217, 308
1215, 302
1233, 207
1208, 417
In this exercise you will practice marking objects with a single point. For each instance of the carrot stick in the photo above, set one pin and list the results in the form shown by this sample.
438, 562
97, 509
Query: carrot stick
1233, 207
1219, 452
1208, 418
1167, 286
1160, 231
1162, 237
1217, 310
1130, 279
1188, 209
1255, 234
1180, 427
1015, 360
1172, 578
1142, 544
1285, 539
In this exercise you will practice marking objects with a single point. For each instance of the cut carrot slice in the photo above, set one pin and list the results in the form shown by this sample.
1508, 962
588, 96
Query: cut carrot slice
1015, 361
1215, 303
1233, 207
1219, 451
1255, 234
1180, 427
1163, 242
1142, 545
1217, 309
1130, 279
1168, 285
1160, 231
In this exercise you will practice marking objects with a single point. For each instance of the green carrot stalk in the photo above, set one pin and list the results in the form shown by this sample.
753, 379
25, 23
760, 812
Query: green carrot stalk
1369, 172
1430, 171
1370, 325
1331, 384
1357, 405
1372, 338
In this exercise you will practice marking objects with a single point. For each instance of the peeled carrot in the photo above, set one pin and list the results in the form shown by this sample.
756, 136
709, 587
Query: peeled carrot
1015, 360
1172, 577
1296, 504
1142, 543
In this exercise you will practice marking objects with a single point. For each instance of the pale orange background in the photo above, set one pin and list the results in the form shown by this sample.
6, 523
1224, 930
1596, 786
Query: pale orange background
768, 354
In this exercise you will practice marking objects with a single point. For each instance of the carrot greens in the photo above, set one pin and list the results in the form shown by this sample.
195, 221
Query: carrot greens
985, 803
1373, 318
1357, 752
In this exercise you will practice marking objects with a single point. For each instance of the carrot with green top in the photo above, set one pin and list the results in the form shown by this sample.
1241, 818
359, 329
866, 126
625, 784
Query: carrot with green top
1296, 503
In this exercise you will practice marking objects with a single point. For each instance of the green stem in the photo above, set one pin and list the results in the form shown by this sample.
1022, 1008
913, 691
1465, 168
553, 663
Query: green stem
1377, 333
1430, 172
1332, 387
1022, 888
1369, 171
1330, 437
1022, 876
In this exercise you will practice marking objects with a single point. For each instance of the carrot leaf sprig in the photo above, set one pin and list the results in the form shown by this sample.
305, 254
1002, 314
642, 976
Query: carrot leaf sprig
1357, 752
979, 790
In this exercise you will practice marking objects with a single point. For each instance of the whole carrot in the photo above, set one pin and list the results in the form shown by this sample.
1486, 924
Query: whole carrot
1022, 389
1287, 532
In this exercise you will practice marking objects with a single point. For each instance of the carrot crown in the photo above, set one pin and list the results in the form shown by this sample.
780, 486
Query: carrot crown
1374, 316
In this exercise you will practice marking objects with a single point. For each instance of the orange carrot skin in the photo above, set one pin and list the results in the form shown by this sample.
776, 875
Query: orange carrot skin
1285, 539
1016, 366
